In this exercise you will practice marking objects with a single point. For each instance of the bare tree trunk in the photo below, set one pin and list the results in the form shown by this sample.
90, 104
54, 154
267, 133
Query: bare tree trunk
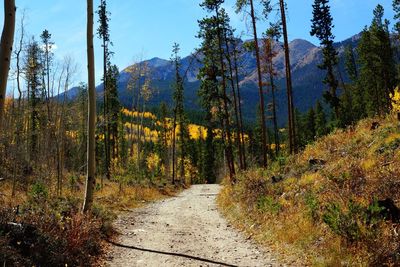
174, 148
275, 119
238, 138
20, 117
260, 87
6, 45
91, 154
289, 88
105, 114
229, 151
235, 57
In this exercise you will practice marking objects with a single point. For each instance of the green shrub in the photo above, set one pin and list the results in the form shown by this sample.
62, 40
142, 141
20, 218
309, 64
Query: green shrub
268, 204
38, 192
312, 203
352, 223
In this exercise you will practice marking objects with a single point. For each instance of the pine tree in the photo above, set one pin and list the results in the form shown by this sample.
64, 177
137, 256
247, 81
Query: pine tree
229, 43
320, 121
310, 126
33, 71
113, 108
377, 69
322, 24
396, 9
214, 77
179, 117
104, 35
47, 61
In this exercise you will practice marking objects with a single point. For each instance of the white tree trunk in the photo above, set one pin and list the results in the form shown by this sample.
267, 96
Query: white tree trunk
91, 149
7, 40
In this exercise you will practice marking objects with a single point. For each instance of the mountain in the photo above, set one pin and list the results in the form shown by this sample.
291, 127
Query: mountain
307, 78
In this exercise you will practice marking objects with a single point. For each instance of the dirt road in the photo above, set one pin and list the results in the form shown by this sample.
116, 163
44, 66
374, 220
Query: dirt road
186, 230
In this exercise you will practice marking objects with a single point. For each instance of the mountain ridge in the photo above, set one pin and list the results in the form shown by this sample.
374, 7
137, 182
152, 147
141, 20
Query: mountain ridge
307, 78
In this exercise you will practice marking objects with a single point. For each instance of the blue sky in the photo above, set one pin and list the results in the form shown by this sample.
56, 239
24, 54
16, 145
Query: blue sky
146, 29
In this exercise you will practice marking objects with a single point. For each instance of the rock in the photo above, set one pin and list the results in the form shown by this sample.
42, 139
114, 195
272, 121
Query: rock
314, 162
375, 125
276, 179
390, 210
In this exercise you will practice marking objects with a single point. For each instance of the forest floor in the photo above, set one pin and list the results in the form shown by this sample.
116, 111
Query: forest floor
186, 230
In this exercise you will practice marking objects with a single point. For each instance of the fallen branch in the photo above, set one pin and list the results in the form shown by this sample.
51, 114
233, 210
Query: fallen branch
387, 163
172, 254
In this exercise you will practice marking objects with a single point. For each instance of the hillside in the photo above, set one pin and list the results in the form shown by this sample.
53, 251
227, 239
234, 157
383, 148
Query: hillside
334, 204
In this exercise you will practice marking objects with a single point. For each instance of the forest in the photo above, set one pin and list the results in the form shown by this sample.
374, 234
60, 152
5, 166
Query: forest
83, 163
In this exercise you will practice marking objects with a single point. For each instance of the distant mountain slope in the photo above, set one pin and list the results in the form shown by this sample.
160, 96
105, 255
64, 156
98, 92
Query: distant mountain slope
307, 79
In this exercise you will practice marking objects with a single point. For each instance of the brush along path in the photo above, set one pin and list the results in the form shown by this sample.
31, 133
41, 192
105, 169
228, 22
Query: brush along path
186, 230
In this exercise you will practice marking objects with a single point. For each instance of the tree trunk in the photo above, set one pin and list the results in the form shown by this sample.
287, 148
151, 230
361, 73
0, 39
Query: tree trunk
91, 149
174, 148
292, 130
7, 40
229, 150
105, 115
238, 138
243, 141
260, 87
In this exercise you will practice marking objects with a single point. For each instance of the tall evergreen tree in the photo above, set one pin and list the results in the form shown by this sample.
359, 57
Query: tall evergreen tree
396, 9
114, 107
310, 126
104, 34
179, 116
47, 61
214, 73
320, 121
229, 46
33, 71
179, 111
322, 24
377, 69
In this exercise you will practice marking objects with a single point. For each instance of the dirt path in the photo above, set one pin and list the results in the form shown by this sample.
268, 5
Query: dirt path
187, 230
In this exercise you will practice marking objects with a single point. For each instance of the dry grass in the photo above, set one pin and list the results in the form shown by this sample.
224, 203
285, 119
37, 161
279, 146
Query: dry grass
111, 196
324, 210
131, 196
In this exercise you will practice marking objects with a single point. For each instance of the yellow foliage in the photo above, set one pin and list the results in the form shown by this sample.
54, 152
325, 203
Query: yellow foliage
197, 132
136, 114
368, 164
396, 100
72, 134
309, 178
153, 161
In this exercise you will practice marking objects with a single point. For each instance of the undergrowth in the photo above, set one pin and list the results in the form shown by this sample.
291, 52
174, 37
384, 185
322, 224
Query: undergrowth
37, 228
334, 204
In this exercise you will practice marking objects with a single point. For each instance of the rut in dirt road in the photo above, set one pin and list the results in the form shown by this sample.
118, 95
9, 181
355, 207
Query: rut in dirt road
186, 230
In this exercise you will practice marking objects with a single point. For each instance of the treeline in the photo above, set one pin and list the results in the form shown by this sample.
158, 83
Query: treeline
372, 69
